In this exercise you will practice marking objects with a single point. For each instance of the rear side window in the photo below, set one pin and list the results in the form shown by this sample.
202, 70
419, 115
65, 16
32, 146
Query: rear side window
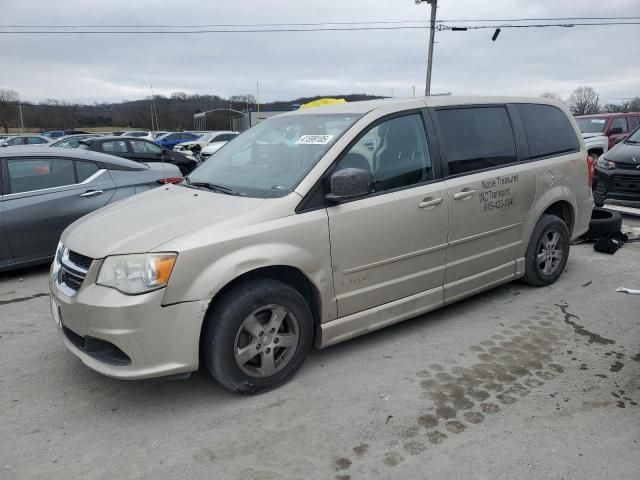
117, 146
477, 138
634, 122
26, 175
548, 130
85, 170
35, 140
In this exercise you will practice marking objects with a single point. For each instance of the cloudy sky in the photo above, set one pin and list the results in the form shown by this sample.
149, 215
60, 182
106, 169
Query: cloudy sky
88, 68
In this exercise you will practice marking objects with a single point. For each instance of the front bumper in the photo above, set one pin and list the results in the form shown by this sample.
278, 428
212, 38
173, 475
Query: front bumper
616, 184
128, 336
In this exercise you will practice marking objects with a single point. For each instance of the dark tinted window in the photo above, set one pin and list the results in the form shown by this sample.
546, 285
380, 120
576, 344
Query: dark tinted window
394, 151
36, 174
620, 122
85, 170
477, 138
548, 130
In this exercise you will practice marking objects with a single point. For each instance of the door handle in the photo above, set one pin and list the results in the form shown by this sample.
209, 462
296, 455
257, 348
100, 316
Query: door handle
429, 202
91, 193
464, 194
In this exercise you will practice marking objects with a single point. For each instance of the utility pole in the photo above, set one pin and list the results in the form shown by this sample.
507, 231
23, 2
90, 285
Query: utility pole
21, 121
432, 31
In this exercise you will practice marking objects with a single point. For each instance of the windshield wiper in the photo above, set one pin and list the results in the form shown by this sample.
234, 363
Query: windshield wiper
215, 188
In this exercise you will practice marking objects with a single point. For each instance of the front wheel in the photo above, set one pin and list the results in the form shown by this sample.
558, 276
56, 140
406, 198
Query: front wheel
257, 336
548, 251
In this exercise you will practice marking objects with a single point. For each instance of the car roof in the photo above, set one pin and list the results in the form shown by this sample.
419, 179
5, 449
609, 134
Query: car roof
116, 137
75, 153
420, 102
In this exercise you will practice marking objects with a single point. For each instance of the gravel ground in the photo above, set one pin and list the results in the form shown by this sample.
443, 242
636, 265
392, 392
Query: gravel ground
514, 383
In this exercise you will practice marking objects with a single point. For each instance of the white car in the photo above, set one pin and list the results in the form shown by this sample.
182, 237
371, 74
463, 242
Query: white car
140, 134
27, 139
207, 140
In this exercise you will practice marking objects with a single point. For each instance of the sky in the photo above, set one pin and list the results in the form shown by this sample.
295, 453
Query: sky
105, 68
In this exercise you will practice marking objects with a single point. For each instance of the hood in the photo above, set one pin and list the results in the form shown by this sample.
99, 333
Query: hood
213, 147
190, 143
627, 153
144, 221
591, 135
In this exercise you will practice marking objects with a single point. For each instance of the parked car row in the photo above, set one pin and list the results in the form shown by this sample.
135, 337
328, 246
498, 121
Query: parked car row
44, 190
613, 142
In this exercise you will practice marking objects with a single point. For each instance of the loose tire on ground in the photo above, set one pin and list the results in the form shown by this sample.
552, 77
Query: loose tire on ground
604, 222
544, 259
241, 319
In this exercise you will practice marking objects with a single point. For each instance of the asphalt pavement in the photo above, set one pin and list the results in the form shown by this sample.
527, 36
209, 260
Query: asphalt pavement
517, 382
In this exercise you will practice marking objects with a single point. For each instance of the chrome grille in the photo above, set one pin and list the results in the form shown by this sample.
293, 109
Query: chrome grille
70, 270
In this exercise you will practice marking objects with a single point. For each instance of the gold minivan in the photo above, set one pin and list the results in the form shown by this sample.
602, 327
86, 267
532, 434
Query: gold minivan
319, 225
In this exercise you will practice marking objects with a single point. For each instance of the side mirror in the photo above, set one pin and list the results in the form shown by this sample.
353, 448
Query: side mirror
349, 183
615, 131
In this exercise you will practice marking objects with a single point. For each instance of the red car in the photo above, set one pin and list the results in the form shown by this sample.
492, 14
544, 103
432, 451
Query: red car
616, 126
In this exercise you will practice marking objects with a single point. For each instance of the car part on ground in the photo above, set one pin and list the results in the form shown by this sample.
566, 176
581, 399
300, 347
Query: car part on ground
603, 222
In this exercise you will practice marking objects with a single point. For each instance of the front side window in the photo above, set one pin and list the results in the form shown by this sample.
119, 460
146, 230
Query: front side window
140, 146
30, 174
271, 158
548, 130
477, 138
394, 151
634, 122
114, 146
620, 122
35, 140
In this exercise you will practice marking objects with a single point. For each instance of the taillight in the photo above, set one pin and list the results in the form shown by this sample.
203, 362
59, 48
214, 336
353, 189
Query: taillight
591, 164
164, 181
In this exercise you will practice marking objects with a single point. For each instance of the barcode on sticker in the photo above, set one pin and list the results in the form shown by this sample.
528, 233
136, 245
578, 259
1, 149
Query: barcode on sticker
314, 139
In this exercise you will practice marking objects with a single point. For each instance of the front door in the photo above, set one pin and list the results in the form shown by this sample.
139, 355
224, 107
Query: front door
46, 195
391, 244
490, 194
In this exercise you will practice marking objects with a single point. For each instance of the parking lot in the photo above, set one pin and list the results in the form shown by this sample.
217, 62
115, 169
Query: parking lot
514, 383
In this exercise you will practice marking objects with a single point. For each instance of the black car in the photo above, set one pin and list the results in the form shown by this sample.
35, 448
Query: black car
139, 150
617, 173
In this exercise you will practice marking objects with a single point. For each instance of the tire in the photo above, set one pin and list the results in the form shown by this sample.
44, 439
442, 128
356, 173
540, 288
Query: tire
239, 322
540, 273
603, 222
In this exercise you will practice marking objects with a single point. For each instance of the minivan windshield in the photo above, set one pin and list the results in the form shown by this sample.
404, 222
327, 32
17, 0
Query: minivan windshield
271, 158
592, 124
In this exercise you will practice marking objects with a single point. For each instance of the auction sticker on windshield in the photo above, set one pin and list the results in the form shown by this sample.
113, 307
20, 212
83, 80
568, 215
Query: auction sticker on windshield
314, 139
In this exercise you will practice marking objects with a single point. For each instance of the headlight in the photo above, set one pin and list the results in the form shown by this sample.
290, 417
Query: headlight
606, 164
135, 274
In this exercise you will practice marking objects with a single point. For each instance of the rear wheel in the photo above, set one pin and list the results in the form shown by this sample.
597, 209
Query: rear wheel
257, 336
547, 252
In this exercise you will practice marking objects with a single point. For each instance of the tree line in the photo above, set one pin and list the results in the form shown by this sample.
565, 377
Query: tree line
171, 113
175, 112
586, 101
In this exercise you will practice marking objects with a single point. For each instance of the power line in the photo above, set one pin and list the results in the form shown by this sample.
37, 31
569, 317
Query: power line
312, 24
441, 26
